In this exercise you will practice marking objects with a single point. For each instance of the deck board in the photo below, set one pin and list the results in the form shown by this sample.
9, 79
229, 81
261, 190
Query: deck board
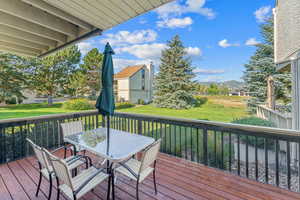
177, 179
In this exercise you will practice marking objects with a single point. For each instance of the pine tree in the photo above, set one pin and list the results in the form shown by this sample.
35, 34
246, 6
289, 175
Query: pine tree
13, 76
51, 75
174, 87
261, 66
91, 68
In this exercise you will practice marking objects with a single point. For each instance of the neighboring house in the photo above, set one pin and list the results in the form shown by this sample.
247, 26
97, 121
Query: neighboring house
134, 83
239, 92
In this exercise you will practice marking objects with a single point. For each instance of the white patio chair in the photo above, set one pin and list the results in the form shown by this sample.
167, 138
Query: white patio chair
70, 128
139, 170
76, 187
45, 168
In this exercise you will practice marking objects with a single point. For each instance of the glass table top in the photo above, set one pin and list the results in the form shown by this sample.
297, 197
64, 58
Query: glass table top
121, 146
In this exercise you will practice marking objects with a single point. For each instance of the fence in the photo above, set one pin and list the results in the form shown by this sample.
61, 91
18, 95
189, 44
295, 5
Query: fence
280, 120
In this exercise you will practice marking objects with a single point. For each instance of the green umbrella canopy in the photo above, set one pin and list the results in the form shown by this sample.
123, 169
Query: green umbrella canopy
105, 102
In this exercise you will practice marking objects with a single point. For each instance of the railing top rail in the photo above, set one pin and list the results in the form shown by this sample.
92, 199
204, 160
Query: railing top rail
274, 112
248, 128
190, 122
47, 117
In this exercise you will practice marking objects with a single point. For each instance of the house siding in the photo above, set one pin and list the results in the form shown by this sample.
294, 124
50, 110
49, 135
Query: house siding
131, 89
287, 29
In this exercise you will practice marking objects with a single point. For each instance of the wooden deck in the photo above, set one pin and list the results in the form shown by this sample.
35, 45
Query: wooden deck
177, 179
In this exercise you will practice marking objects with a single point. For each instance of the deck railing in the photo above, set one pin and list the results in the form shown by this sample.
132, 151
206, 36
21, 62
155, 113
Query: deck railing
264, 154
279, 119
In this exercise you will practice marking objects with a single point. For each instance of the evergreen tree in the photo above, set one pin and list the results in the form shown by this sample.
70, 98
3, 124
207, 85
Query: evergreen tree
91, 68
173, 84
261, 66
51, 75
13, 78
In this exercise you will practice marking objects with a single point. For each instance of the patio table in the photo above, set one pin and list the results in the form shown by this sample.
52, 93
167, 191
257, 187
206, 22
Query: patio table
122, 145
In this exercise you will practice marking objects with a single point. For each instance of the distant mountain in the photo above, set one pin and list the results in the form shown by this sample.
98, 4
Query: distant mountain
233, 84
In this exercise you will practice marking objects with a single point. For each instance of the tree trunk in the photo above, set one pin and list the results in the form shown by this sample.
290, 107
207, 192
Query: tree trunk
50, 100
271, 93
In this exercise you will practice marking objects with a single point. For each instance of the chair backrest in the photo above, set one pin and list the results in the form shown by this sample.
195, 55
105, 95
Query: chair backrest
70, 128
40, 155
60, 168
150, 155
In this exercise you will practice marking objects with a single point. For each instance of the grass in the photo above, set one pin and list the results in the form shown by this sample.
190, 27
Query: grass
30, 110
218, 108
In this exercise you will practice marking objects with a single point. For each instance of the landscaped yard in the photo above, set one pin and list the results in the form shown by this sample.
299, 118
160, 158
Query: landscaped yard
218, 108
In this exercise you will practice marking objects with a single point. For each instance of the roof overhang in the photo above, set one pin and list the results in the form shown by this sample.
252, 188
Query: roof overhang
39, 27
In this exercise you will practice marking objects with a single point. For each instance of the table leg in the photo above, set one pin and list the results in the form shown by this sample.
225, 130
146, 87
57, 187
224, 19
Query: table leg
111, 182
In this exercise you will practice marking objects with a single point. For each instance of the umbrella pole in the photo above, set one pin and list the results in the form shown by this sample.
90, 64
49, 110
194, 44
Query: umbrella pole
108, 133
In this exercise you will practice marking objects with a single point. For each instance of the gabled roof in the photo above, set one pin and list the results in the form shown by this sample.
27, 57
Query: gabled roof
40, 27
128, 71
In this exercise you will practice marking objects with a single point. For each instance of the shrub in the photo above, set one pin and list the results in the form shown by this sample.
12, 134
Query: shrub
11, 100
141, 102
124, 105
199, 101
256, 122
77, 104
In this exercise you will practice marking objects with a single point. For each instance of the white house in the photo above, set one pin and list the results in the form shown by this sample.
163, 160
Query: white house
134, 83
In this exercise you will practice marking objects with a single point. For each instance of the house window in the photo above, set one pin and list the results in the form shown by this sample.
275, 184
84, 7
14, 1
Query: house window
143, 79
143, 74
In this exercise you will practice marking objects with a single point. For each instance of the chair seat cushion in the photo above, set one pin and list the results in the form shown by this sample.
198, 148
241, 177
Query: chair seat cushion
134, 165
80, 179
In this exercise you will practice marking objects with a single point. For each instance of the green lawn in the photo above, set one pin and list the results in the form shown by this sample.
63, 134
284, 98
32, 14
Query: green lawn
212, 111
218, 108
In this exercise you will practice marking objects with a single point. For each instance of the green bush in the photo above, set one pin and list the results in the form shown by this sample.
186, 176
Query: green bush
77, 104
199, 101
11, 100
124, 105
256, 122
141, 102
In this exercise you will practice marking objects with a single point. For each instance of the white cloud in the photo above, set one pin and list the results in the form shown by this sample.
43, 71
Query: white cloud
175, 22
126, 37
224, 43
120, 63
213, 79
262, 13
208, 71
153, 51
252, 42
143, 51
84, 47
191, 6
193, 51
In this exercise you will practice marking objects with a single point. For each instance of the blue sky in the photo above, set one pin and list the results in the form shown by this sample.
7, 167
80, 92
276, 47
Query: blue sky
218, 35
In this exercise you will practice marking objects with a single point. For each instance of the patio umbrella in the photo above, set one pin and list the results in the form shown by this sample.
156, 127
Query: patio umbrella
105, 102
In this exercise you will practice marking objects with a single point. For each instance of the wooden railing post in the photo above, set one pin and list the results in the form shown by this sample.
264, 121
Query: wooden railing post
103, 121
205, 146
140, 128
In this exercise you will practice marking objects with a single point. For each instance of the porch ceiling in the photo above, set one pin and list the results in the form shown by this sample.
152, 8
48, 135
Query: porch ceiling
40, 27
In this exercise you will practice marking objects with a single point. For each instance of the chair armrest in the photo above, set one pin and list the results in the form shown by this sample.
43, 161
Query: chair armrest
88, 180
57, 149
130, 170
78, 157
